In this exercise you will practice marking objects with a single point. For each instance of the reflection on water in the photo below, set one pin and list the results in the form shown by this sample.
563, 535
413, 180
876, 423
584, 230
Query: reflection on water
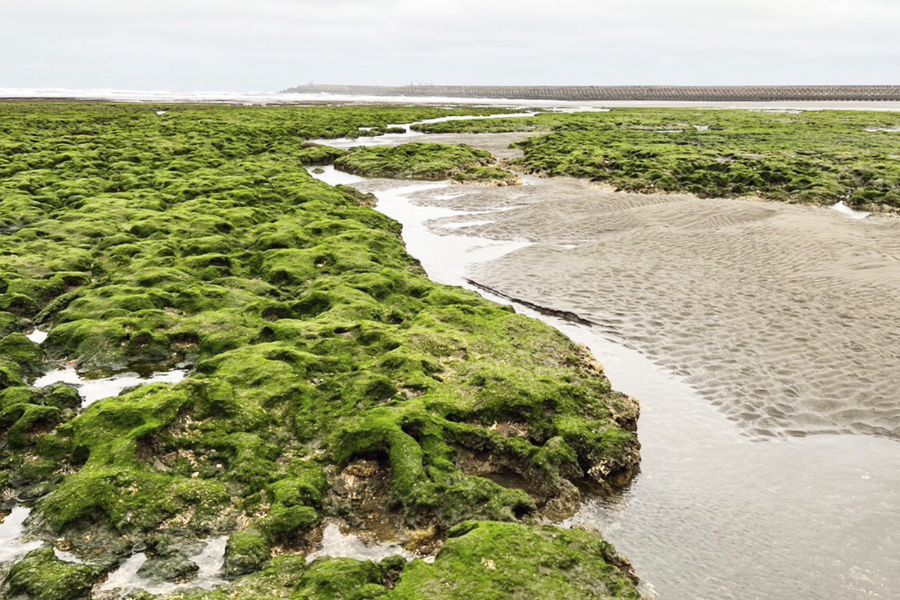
92, 390
13, 542
714, 514
209, 560
339, 545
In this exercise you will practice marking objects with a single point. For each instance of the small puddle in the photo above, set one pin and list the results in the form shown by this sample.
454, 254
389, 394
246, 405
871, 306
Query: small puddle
92, 390
13, 542
209, 560
340, 545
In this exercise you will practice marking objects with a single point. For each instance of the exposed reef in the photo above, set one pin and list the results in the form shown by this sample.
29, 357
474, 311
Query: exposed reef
795, 156
426, 161
329, 377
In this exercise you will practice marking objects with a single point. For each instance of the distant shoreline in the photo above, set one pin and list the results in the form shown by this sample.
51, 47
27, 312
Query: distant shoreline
631, 93
290, 98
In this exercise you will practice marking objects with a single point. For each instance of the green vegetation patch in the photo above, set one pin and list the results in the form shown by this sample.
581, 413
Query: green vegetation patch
424, 161
323, 357
811, 157
42, 576
505, 560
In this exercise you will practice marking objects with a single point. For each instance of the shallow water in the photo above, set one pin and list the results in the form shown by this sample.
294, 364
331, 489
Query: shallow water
210, 561
14, 544
92, 390
714, 514
264, 98
340, 545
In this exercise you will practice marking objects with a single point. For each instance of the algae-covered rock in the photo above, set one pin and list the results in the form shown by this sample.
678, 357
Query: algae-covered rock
246, 552
288, 523
504, 560
418, 161
330, 579
42, 576
174, 566
19, 349
332, 378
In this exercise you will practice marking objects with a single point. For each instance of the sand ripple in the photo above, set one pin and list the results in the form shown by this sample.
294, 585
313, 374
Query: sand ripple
783, 316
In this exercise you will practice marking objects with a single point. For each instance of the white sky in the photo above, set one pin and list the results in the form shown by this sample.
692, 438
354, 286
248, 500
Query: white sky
268, 45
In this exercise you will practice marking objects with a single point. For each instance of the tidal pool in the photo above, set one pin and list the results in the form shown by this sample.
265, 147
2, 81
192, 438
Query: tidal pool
92, 390
336, 544
209, 560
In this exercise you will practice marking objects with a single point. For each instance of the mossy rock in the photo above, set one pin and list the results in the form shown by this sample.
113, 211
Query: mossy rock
416, 161
286, 524
173, 566
19, 349
42, 576
502, 560
341, 578
246, 552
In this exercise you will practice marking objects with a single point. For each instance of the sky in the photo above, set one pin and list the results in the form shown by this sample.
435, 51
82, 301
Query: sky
270, 45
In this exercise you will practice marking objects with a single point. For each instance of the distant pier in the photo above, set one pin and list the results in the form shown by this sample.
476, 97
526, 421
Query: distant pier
817, 93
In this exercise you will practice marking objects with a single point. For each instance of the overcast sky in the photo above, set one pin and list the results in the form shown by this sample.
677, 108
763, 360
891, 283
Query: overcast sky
269, 45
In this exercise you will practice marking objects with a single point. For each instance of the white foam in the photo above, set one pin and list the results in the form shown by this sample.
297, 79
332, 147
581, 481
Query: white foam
38, 337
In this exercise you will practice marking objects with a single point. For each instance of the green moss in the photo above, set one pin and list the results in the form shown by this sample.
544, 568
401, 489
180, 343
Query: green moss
341, 579
20, 350
500, 560
419, 161
317, 341
246, 552
44, 577
487, 175
811, 157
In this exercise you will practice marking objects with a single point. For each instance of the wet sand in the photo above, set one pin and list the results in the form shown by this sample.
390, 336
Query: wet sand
781, 315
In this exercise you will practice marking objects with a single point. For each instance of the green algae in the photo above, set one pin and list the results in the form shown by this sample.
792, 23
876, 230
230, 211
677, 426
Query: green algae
424, 161
44, 577
503, 560
481, 560
316, 341
246, 552
814, 157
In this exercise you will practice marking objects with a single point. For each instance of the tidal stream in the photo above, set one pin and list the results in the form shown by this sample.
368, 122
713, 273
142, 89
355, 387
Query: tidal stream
714, 514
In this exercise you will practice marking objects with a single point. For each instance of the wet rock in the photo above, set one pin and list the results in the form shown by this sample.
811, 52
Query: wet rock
42, 576
247, 552
19, 349
174, 566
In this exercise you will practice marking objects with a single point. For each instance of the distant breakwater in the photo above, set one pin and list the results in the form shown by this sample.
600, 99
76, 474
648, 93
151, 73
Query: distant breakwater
627, 93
